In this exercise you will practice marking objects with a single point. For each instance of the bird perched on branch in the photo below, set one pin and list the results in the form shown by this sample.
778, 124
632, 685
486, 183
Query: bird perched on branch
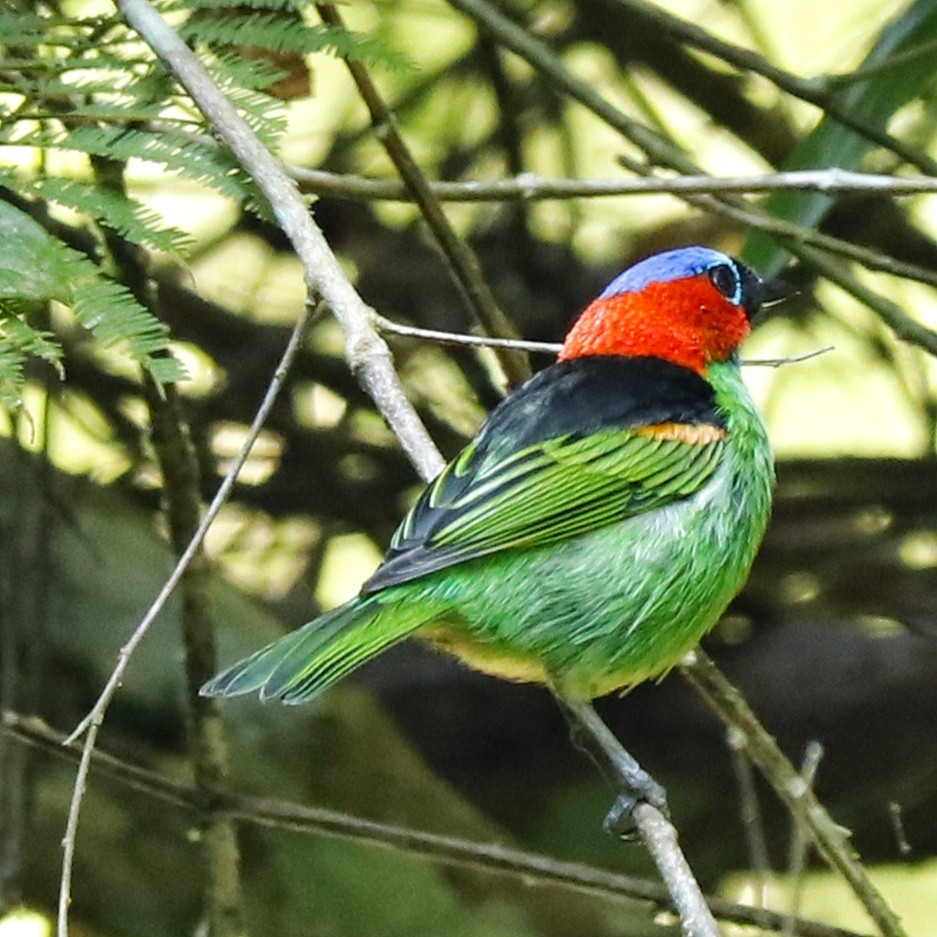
599, 523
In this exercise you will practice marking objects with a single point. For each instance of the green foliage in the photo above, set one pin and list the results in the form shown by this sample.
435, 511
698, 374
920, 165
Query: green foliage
89, 86
875, 100
36, 268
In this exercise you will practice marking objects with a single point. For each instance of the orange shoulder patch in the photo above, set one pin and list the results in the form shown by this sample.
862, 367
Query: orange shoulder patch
694, 434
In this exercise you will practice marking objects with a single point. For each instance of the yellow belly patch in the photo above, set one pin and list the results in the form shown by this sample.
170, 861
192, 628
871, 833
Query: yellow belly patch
485, 658
520, 669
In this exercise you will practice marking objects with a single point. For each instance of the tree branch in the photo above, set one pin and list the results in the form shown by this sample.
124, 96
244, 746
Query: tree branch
729, 705
529, 187
462, 260
454, 851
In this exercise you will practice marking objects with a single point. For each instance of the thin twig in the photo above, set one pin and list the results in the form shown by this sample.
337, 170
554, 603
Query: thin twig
812, 90
831, 839
454, 851
789, 359
800, 835
798, 240
529, 187
897, 825
71, 825
462, 260
460, 338
221, 495
751, 817
553, 348
92, 722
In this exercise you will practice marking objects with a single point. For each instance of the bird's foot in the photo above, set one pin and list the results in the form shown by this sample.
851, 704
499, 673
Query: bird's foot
641, 789
634, 785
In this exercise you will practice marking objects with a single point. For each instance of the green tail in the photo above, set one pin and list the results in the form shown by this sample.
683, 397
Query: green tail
302, 664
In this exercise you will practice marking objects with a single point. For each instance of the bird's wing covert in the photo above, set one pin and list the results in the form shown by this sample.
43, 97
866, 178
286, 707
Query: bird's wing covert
563, 456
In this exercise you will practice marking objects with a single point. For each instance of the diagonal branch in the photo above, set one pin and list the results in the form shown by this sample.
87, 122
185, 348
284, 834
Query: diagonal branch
831, 839
462, 260
813, 91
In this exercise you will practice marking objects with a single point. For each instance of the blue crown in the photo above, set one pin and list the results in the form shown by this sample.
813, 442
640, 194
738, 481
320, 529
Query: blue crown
662, 268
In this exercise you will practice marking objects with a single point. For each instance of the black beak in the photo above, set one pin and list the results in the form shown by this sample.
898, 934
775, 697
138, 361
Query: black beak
771, 291
761, 293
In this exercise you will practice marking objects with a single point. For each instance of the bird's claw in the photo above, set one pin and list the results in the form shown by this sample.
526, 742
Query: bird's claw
619, 821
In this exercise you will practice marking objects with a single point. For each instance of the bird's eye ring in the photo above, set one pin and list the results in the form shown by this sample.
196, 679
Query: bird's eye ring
726, 279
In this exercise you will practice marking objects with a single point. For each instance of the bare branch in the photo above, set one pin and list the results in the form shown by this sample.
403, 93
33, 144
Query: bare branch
460, 338
529, 187
552, 348
789, 359
750, 812
800, 833
462, 260
493, 858
813, 91
831, 839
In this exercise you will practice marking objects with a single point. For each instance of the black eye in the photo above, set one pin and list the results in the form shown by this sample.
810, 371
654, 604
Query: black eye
726, 279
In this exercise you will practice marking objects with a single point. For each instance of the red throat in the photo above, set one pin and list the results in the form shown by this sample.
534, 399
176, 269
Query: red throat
687, 322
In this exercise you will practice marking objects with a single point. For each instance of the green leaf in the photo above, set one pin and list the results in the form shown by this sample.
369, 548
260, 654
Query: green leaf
18, 342
36, 268
32, 265
874, 100
124, 215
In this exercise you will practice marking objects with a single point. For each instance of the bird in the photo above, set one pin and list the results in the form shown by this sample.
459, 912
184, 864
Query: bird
599, 523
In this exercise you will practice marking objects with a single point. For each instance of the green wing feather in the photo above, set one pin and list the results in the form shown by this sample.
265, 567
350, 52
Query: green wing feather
555, 490
551, 491
303, 663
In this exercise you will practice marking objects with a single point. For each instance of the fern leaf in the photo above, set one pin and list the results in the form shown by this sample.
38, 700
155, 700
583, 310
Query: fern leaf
127, 217
19, 342
35, 267
285, 34
283, 5
177, 151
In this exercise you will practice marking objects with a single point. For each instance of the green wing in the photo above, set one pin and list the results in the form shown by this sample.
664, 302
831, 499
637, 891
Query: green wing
551, 491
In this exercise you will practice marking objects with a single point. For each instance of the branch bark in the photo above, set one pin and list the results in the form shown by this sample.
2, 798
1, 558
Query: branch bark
831, 839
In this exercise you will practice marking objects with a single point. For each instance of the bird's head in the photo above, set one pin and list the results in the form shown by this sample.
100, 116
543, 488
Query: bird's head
690, 306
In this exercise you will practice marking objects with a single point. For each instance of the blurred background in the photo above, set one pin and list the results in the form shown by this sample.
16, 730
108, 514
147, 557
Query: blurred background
833, 641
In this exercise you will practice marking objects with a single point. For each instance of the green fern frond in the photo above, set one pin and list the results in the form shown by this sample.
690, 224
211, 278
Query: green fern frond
264, 29
19, 342
270, 30
12, 363
263, 114
289, 6
23, 29
129, 218
255, 74
185, 153
35, 268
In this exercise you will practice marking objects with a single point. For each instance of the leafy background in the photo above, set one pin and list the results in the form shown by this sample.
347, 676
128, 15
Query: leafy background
128, 232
